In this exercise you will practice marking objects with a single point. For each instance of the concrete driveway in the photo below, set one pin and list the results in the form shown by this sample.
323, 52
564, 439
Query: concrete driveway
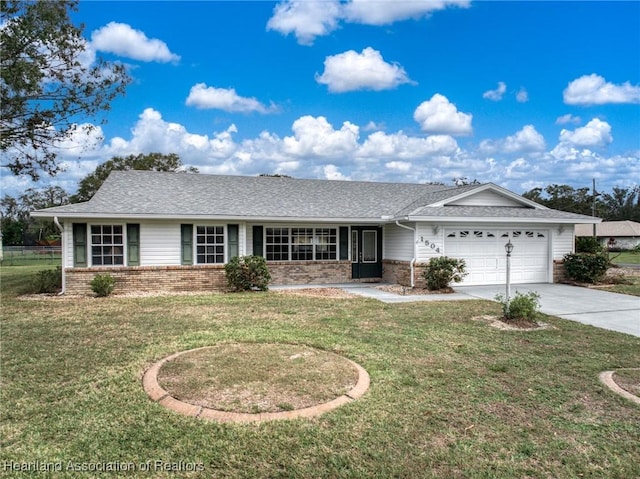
617, 312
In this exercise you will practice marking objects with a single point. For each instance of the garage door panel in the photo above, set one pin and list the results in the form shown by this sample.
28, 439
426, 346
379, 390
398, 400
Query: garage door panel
485, 257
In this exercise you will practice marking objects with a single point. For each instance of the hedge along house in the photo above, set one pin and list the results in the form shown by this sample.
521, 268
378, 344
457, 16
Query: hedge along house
157, 231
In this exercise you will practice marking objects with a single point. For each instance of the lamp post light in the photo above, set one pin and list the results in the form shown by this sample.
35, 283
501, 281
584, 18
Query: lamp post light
508, 248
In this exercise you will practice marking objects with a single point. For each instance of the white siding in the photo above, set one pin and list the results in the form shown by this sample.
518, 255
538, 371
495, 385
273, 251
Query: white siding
429, 241
398, 242
562, 240
67, 243
486, 198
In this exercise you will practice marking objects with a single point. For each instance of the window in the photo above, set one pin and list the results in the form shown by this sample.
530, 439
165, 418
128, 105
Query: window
107, 245
277, 244
301, 244
326, 243
210, 244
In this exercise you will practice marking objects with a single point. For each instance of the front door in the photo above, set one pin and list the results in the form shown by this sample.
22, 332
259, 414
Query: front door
366, 252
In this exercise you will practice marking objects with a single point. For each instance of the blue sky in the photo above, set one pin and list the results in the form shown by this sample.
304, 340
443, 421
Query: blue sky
522, 94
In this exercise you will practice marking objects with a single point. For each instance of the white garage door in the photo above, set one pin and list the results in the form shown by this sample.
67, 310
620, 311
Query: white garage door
485, 256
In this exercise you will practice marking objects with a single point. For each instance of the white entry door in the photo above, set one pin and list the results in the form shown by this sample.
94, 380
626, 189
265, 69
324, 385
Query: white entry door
485, 256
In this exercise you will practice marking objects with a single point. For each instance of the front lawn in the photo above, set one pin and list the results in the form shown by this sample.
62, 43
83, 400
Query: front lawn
450, 397
625, 257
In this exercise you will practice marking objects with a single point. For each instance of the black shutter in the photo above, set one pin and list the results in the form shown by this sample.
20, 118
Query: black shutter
344, 243
258, 249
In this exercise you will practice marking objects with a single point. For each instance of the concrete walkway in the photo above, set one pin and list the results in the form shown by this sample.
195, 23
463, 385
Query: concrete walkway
613, 311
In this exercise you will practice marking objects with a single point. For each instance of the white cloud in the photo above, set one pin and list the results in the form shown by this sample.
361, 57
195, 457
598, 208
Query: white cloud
305, 19
497, 94
122, 40
522, 96
596, 133
438, 115
568, 118
204, 97
526, 140
331, 172
384, 13
308, 19
400, 146
401, 166
351, 71
316, 137
595, 90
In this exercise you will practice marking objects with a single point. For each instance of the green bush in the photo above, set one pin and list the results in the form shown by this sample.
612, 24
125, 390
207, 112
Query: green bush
246, 273
520, 306
103, 284
586, 268
441, 271
588, 244
48, 281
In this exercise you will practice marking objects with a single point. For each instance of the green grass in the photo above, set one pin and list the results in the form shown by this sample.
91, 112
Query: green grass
625, 257
630, 286
449, 398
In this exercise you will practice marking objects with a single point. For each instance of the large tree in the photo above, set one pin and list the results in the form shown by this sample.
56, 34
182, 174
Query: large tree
15, 221
49, 83
150, 162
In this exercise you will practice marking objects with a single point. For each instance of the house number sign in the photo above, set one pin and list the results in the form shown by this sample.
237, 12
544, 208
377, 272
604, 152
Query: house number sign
429, 244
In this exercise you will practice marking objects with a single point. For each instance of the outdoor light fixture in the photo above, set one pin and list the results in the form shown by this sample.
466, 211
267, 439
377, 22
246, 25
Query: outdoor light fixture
508, 248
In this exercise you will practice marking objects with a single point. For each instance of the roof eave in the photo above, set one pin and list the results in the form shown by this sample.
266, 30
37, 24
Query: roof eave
499, 219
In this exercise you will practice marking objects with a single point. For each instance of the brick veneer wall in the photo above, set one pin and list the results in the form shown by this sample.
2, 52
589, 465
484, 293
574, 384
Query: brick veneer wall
399, 272
203, 277
309, 272
559, 272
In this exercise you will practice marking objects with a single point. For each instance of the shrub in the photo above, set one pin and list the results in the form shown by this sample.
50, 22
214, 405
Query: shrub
520, 306
103, 284
441, 271
586, 268
48, 281
588, 244
245, 273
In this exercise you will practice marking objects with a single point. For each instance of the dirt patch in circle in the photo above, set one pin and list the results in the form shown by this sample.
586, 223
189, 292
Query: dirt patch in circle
259, 379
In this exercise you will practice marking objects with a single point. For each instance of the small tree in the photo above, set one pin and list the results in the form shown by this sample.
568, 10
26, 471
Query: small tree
441, 271
245, 273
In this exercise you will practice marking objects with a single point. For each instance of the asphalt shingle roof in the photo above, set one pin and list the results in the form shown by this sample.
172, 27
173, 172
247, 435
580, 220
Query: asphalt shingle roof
160, 194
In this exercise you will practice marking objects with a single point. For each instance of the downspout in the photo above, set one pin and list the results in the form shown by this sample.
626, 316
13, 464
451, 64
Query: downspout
64, 278
415, 246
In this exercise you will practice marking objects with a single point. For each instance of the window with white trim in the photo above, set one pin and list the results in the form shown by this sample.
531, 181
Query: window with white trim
107, 245
301, 244
209, 244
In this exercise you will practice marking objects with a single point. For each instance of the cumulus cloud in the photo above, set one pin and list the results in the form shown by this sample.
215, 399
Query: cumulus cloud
438, 115
305, 19
400, 146
568, 118
527, 139
497, 94
384, 13
203, 97
308, 19
120, 39
596, 133
316, 137
351, 71
595, 90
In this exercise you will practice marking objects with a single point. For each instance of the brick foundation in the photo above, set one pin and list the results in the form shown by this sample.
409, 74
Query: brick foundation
309, 272
559, 272
203, 278
399, 272
150, 278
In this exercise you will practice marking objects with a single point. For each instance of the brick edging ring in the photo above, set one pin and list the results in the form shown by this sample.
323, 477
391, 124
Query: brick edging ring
159, 395
606, 377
